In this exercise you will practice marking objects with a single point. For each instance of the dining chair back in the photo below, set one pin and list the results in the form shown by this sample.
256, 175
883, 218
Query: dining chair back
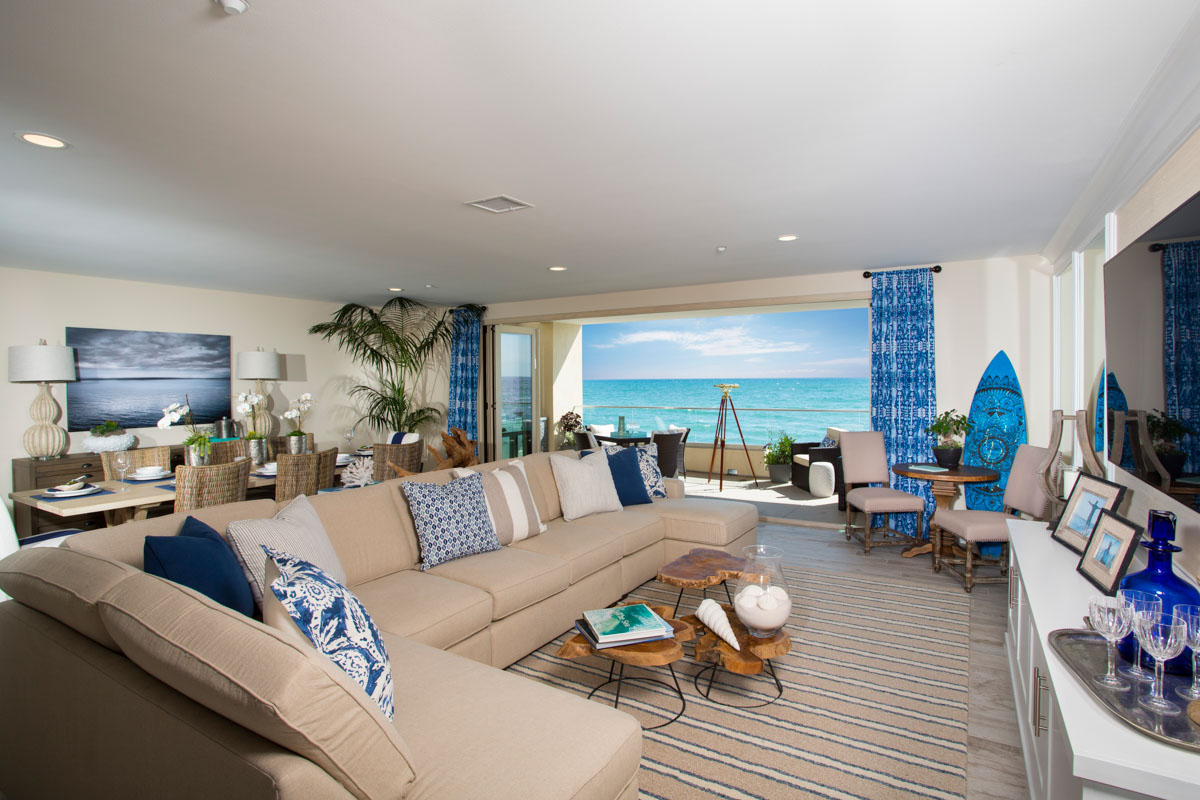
864, 458
669, 444
586, 440
212, 485
279, 444
1024, 491
141, 457
228, 451
296, 475
326, 466
405, 456
864, 461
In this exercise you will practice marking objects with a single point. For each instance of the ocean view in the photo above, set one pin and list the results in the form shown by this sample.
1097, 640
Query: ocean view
138, 402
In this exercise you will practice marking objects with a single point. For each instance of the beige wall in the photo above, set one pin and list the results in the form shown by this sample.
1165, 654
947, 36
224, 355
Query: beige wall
37, 305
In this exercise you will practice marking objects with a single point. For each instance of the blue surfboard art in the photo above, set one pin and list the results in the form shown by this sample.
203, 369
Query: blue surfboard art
997, 429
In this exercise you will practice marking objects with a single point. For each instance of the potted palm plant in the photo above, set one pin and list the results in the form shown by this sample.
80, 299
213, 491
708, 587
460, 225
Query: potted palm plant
1165, 433
777, 455
950, 427
393, 342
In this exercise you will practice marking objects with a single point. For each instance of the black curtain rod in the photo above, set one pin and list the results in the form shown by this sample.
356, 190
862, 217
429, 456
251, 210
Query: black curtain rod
1157, 248
935, 270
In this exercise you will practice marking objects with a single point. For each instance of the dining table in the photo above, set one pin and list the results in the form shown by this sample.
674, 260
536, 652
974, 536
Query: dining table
946, 482
627, 439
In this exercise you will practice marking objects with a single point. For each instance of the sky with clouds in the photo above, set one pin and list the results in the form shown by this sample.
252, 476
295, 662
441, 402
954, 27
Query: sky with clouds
105, 353
795, 344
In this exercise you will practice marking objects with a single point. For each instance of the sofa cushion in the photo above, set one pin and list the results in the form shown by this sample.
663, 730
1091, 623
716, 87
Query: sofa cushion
426, 608
370, 529
261, 680
199, 558
585, 546
705, 521
585, 486
334, 621
64, 584
534, 741
882, 500
295, 529
452, 520
515, 578
510, 503
541, 481
638, 527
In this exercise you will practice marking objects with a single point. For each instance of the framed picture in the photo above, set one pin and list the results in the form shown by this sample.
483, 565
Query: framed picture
1109, 551
131, 376
1090, 496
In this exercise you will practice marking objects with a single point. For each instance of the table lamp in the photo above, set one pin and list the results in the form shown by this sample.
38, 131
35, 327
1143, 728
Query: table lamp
43, 364
258, 366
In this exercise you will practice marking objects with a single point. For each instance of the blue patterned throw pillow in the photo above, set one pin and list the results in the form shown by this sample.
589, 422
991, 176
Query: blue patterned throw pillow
336, 623
829, 441
452, 521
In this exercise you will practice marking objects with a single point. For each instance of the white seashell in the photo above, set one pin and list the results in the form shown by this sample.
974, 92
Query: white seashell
778, 592
767, 602
716, 620
751, 590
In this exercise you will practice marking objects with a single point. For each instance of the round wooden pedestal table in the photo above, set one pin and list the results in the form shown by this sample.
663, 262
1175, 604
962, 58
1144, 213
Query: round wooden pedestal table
662, 653
754, 656
699, 569
945, 489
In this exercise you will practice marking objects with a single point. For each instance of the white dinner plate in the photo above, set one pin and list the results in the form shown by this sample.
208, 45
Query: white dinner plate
157, 477
89, 488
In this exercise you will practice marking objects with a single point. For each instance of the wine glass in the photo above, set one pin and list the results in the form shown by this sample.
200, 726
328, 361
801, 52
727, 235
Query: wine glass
122, 462
1162, 640
348, 434
1144, 605
1110, 617
1191, 621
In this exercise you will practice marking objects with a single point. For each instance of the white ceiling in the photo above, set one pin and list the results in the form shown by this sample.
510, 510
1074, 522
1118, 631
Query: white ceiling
326, 149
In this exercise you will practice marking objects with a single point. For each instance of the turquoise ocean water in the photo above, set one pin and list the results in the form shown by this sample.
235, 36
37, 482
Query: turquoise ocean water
601, 399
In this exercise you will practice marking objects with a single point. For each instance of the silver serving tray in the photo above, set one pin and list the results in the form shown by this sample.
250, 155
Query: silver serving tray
1084, 652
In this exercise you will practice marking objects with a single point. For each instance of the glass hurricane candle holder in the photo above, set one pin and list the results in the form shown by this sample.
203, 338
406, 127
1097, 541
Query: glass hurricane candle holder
763, 601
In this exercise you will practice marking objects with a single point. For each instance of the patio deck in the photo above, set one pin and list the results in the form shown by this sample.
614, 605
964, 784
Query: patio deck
777, 502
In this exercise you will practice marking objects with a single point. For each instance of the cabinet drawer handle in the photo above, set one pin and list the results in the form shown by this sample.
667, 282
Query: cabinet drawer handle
88, 465
1040, 722
1013, 584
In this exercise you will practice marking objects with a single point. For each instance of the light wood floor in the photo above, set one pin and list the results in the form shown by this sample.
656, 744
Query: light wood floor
995, 768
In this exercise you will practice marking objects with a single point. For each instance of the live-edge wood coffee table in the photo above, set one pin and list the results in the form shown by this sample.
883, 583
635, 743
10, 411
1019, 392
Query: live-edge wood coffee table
661, 653
754, 656
699, 569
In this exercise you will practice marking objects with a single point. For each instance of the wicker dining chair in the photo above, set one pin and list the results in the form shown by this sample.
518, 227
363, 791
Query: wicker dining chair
141, 457
297, 475
404, 456
229, 451
326, 466
670, 443
213, 485
279, 444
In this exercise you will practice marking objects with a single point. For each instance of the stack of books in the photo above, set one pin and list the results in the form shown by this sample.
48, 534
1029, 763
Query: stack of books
622, 625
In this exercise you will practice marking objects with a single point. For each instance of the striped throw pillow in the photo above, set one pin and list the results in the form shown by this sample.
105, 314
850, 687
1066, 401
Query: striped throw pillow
510, 502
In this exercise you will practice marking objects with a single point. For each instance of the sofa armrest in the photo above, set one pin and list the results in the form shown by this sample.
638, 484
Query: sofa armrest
674, 488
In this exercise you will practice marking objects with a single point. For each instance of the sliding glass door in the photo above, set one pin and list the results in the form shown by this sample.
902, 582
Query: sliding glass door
515, 419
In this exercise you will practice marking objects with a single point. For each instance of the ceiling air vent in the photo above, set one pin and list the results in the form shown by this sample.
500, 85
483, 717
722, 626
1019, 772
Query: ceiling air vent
500, 203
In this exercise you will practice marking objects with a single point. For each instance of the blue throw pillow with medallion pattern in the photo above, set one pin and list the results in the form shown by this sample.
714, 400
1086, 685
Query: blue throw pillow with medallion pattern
647, 465
336, 623
828, 441
452, 521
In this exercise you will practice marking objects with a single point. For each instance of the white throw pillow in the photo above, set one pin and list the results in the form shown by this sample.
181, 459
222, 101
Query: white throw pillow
585, 485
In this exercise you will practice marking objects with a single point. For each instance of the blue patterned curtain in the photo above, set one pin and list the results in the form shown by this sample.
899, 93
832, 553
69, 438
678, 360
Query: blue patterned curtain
464, 373
903, 390
1181, 341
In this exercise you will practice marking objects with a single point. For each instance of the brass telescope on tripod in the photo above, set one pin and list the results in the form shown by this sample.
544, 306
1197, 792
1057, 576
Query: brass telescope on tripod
723, 413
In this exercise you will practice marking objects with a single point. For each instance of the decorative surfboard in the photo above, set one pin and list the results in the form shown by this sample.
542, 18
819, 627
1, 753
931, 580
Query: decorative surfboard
1111, 391
997, 429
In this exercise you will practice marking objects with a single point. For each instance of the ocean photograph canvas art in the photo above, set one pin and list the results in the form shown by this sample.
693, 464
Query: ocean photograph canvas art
131, 376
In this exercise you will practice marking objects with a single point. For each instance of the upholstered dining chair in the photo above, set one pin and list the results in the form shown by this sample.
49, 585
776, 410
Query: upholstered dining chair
141, 457
279, 444
404, 456
212, 485
669, 444
1024, 493
864, 461
229, 451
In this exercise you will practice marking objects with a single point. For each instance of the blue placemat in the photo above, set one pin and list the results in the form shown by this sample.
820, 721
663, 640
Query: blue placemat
166, 487
56, 499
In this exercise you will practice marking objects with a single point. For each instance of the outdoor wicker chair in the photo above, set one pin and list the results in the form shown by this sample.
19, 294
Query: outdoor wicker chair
404, 456
213, 485
670, 445
229, 451
141, 457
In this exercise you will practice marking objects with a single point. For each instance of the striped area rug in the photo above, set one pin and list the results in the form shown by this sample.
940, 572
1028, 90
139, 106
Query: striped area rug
874, 702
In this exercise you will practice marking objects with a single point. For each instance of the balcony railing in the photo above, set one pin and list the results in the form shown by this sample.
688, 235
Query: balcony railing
759, 425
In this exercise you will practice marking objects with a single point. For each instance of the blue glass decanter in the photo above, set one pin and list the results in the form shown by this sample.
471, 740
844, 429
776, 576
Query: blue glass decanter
1159, 578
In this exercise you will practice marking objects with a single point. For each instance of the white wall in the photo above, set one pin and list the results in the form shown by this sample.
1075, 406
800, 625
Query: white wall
37, 305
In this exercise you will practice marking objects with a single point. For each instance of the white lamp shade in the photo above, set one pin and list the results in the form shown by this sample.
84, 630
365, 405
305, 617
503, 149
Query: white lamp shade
40, 362
258, 365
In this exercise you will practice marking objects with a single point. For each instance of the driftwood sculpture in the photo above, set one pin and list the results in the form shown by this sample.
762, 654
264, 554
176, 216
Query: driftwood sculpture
460, 452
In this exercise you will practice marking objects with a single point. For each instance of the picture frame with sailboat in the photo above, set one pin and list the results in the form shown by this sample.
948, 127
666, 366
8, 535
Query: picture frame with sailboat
1089, 497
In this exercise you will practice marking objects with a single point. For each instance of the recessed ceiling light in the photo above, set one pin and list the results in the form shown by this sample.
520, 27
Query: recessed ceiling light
394, 289
788, 238
430, 286
42, 140
557, 269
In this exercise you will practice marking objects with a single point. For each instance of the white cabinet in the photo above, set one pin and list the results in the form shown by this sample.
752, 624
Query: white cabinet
1074, 749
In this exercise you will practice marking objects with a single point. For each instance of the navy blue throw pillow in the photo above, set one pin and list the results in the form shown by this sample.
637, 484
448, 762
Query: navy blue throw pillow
200, 559
627, 476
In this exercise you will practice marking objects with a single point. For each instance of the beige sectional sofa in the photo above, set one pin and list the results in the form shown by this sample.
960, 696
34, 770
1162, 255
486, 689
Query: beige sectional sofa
82, 718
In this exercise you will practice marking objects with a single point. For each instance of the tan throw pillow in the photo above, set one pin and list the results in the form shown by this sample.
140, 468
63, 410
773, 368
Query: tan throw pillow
585, 486
296, 529
510, 502
243, 670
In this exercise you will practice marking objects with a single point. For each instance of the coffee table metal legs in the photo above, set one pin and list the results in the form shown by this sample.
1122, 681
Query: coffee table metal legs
712, 670
620, 679
704, 594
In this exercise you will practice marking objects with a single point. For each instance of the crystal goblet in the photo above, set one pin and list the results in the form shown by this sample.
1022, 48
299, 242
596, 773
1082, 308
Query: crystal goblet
1110, 617
1162, 640
1147, 606
122, 462
1190, 615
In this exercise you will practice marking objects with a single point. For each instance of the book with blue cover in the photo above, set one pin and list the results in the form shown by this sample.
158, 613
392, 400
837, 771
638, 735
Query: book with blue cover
626, 623
583, 630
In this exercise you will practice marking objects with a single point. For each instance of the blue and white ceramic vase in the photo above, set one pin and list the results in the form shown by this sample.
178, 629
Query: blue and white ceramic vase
1159, 578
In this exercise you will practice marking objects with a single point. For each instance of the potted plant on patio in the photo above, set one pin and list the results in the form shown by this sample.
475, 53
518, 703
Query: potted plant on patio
1165, 433
950, 427
777, 455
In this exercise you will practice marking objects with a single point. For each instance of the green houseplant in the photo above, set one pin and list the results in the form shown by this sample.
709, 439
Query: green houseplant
950, 427
1165, 433
777, 455
196, 447
393, 342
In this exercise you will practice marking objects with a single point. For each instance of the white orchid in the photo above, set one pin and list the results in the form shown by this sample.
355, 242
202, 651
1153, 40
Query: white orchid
183, 411
243, 407
241, 398
298, 410
305, 397
292, 413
